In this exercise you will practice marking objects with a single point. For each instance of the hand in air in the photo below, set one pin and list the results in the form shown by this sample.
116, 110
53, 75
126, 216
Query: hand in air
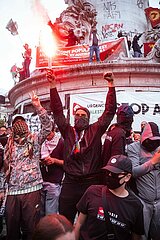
35, 100
108, 76
50, 76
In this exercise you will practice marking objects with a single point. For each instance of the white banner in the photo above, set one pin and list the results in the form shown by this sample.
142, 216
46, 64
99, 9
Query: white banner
146, 105
32, 120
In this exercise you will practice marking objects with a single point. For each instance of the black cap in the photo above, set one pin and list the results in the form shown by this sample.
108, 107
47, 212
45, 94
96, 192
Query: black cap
119, 164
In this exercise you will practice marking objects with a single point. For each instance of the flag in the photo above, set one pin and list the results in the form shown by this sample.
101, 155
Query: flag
148, 47
12, 27
153, 14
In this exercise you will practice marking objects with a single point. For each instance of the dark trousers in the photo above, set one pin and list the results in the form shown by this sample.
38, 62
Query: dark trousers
70, 196
22, 214
1, 224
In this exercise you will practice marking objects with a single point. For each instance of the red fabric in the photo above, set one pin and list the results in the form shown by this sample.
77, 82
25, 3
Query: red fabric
148, 47
153, 14
79, 54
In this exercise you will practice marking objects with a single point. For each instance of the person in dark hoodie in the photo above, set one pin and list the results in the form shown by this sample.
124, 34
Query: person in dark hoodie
3, 135
145, 157
82, 146
118, 134
136, 47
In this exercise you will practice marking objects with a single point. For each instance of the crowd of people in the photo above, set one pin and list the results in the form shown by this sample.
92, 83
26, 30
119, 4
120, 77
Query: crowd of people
68, 185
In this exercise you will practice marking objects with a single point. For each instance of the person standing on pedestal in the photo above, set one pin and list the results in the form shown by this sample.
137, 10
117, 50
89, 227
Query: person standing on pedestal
94, 40
27, 59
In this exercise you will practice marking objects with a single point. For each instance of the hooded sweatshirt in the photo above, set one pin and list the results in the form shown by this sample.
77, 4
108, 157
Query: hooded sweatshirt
147, 175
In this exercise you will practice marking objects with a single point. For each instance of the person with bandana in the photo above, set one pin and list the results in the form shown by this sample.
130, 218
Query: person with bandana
82, 146
23, 179
145, 157
121, 207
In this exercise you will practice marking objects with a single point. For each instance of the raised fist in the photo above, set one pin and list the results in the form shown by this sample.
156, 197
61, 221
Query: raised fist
108, 76
50, 75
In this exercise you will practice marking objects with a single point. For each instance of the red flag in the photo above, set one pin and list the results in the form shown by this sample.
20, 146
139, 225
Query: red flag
148, 47
12, 27
153, 14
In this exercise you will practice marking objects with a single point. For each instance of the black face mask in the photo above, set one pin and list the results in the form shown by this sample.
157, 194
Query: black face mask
151, 145
20, 139
81, 123
112, 180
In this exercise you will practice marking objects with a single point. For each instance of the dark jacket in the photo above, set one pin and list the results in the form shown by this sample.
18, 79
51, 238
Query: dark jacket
114, 144
135, 45
88, 162
54, 173
1, 157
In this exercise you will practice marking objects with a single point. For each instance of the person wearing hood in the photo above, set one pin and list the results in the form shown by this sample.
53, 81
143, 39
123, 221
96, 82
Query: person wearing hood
136, 47
118, 134
3, 135
82, 146
145, 157
23, 179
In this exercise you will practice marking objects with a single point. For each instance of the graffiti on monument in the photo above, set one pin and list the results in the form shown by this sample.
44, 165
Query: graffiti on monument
140, 4
110, 10
109, 30
112, 29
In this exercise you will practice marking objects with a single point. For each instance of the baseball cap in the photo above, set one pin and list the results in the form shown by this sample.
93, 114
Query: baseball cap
119, 164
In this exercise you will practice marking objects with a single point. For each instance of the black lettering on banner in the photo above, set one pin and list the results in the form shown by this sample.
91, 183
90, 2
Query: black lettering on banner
156, 109
145, 108
138, 106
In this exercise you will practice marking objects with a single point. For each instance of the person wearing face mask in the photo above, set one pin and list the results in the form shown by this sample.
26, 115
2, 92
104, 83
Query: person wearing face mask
111, 211
23, 179
118, 134
82, 146
145, 157
3, 135
52, 170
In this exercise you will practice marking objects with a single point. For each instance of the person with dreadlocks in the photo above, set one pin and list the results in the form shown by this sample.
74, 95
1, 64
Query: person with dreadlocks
23, 178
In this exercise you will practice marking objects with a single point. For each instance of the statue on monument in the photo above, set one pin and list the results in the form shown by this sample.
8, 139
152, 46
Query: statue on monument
80, 16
